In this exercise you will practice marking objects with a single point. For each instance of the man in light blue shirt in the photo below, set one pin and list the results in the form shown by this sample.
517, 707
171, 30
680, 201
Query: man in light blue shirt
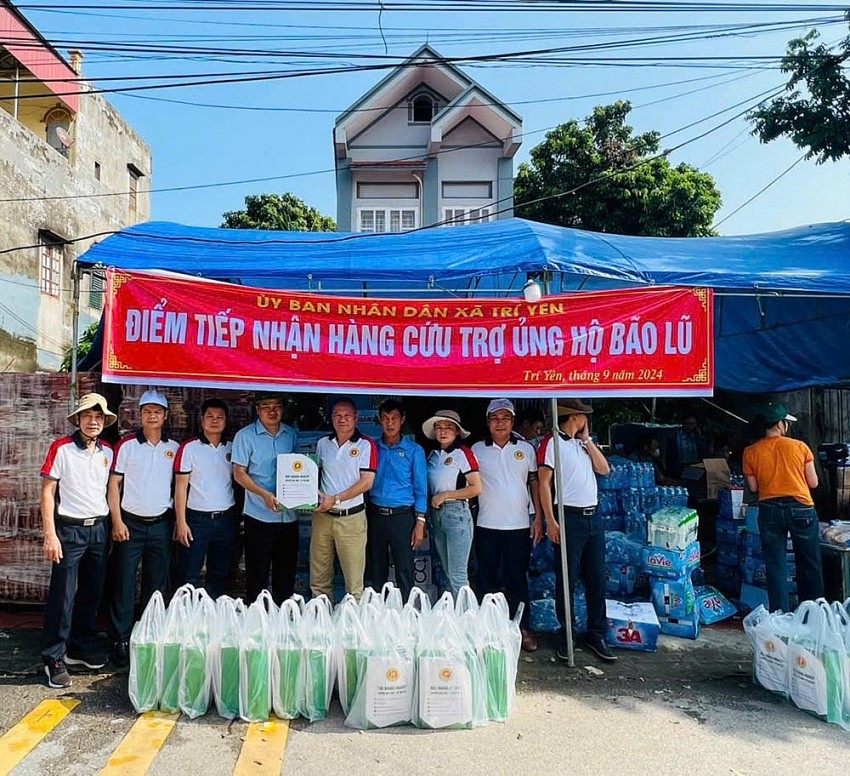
271, 530
397, 502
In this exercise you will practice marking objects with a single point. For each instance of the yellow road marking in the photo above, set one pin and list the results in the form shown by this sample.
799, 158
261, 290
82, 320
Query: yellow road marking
17, 742
136, 752
262, 751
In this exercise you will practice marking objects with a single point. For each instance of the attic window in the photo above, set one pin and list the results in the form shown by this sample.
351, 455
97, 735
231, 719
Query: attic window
422, 109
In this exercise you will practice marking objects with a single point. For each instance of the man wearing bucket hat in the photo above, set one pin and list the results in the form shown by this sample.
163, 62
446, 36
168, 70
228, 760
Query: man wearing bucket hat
76, 540
141, 504
782, 471
580, 461
271, 531
509, 515
453, 479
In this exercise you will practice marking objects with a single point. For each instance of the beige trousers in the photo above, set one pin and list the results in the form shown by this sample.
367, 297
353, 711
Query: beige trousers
344, 537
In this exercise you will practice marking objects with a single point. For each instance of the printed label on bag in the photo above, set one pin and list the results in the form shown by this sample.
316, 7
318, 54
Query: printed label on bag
771, 663
445, 692
808, 681
389, 690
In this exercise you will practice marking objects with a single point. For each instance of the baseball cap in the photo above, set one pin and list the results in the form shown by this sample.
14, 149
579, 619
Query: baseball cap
500, 404
773, 412
153, 397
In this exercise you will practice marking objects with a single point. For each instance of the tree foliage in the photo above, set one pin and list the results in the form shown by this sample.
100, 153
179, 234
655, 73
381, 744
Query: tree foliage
646, 195
279, 212
83, 347
815, 111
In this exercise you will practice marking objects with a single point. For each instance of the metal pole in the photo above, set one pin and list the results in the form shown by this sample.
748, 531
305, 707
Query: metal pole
75, 335
17, 91
559, 506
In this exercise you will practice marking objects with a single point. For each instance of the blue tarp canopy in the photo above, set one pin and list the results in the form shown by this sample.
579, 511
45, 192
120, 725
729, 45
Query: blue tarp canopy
781, 317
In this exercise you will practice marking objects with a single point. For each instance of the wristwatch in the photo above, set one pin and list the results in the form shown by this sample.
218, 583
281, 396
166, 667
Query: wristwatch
337, 501
420, 518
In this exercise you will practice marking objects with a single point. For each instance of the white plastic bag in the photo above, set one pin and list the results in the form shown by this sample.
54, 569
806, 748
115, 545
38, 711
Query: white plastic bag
499, 642
224, 655
256, 648
317, 663
144, 685
769, 635
195, 669
287, 691
175, 632
349, 637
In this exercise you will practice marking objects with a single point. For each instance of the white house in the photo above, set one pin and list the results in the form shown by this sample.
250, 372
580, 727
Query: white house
427, 145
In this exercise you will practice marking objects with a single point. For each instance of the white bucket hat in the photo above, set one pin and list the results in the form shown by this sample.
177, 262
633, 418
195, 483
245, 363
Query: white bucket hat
428, 425
92, 401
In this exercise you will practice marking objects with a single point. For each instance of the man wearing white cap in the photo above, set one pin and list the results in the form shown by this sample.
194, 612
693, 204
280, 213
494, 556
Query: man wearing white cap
74, 513
141, 505
503, 535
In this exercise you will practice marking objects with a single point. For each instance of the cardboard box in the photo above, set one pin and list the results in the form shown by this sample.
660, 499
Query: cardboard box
717, 476
632, 626
684, 628
673, 597
670, 564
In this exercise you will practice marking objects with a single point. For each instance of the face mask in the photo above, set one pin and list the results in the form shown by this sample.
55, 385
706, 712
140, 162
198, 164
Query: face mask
656, 453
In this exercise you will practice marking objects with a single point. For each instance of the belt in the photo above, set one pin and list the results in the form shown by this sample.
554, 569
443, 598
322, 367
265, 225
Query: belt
583, 511
346, 512
390, 511
84, 522
146, 520
210, 515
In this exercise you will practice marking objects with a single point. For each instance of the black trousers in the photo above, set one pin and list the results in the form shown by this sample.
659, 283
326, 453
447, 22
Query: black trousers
270, 547
390, 534
76, 588
503, 558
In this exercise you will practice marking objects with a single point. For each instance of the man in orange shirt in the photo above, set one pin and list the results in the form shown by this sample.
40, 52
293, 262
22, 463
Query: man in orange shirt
782, 471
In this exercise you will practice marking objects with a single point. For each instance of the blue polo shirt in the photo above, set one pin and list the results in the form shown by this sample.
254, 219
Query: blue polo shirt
257, 450
402, 476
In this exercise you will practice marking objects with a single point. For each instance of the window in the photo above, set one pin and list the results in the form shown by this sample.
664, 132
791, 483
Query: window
467, 190
50, 254
97, 171
387, 191
458, 216
135, 173
96, 281
381, 220
422, 109
57, 122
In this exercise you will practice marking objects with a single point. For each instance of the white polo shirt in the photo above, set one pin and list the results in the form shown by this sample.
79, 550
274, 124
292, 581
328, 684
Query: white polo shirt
210, 474
147, 471
82, 475
342, 465
505, 501
447, 469
578, 481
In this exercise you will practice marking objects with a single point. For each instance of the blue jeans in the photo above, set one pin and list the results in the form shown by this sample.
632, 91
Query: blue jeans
586, 559
213, 541
451, 529
777, 518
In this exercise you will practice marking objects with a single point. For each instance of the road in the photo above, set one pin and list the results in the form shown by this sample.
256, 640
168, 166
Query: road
688, 708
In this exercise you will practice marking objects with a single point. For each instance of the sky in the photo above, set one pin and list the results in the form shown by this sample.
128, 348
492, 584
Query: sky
282, 128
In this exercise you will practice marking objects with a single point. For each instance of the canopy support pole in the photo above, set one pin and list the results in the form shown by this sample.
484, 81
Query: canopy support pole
75, 335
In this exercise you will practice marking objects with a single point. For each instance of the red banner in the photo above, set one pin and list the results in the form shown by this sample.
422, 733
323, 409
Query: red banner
172, 330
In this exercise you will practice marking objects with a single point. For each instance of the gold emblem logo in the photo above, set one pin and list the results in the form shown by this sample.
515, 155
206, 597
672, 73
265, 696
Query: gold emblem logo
770, 646
169, 454
393, 675
519, 455
449, 461
446, 674
801, 661
297, 466
354, 452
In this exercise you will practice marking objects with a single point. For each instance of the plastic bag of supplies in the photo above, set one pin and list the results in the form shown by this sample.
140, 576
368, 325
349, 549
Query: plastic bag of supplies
385, 673
317, 665
144, 648
348, 622
195, 668
286, 692
501, 639
769, 635
224, 655
256, 646
175, 632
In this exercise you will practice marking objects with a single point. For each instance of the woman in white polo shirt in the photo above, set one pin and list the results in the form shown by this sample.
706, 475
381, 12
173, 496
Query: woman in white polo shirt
453, 479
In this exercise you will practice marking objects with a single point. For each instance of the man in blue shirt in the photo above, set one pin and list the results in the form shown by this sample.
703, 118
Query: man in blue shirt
271, 530
397, 502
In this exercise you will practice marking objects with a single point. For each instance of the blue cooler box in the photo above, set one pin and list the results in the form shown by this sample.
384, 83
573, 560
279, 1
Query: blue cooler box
632, 626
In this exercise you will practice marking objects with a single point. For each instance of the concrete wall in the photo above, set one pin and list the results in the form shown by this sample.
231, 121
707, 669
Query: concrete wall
35, 328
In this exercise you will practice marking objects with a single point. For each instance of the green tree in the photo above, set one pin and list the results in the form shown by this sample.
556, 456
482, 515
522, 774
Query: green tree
281, 212
83, 347
646, 196
815, 111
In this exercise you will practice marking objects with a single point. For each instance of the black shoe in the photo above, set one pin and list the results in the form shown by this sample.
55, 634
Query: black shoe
601, 648
121, 654
90, 662
57, 674
562, 654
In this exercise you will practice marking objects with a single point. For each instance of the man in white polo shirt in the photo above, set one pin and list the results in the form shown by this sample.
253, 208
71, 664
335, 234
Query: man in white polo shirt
503, 533
76, 539
140, 502
580, 461
271, 530
348, 461
204, 506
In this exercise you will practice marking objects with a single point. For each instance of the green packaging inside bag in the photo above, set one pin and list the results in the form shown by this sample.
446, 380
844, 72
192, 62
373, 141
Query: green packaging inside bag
193, 677
229, 682
316, 685
289, 663
495, 663
350, 676
170, 677
257, 688
144, 662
